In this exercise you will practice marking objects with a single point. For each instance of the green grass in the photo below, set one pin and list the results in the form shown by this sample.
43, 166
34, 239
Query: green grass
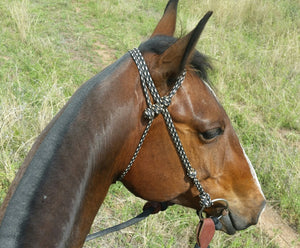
49, 48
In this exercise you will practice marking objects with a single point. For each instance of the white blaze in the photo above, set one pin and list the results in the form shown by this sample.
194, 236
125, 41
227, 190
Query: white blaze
248, 160
253, 172
211, 90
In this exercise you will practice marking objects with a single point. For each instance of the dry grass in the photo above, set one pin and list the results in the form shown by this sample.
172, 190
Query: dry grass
19, 11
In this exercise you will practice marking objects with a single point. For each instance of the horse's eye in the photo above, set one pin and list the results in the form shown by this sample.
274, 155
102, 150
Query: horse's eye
210, 134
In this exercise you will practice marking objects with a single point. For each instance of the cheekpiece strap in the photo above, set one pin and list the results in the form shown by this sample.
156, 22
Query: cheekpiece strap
160, 103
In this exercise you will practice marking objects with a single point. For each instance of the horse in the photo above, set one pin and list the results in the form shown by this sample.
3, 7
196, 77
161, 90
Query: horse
65, 177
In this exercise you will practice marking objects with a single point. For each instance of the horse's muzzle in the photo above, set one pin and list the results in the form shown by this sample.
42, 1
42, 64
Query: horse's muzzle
233, 222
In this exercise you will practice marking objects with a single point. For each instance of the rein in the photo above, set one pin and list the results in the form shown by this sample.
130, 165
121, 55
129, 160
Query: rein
160, 106
148, 209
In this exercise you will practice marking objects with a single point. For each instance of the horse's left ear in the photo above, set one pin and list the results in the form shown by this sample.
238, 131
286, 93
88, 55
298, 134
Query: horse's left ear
173, 61
167, 23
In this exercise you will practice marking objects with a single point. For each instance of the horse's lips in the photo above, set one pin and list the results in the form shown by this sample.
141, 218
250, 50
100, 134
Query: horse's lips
228, 226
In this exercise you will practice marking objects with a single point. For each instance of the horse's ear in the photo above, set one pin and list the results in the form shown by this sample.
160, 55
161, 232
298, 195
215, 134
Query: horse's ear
173, 61
167, 23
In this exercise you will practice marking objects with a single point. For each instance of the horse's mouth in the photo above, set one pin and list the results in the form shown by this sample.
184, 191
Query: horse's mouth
226, 219
232, 223
224, 215
228, 224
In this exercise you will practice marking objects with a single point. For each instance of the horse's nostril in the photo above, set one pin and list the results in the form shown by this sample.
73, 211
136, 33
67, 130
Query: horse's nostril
262, 208
256, 216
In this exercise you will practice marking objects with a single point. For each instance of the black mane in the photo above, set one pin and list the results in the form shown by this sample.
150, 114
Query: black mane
158, 44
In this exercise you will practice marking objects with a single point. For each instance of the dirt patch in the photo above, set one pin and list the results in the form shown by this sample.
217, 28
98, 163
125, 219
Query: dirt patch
105, 53
290, 135
278, 230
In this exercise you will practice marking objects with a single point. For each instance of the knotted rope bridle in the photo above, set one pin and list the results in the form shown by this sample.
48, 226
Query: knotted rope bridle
160, 106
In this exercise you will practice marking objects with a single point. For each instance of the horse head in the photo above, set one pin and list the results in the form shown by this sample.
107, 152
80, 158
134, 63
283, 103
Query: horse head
205, 131
86, 147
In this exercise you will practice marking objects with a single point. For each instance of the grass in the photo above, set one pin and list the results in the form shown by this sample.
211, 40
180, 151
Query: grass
49, 48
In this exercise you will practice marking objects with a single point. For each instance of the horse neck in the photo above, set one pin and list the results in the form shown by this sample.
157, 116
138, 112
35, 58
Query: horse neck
67, 174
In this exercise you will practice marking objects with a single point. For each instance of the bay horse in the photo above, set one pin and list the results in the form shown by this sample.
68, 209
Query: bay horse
87, 146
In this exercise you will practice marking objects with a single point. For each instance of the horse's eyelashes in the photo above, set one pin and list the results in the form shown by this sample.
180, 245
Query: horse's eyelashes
210, 134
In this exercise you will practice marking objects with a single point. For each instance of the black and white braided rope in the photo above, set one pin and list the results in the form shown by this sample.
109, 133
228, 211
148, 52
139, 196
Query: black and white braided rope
160, 106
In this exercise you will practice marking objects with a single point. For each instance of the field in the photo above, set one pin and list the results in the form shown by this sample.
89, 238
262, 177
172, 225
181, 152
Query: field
49, 48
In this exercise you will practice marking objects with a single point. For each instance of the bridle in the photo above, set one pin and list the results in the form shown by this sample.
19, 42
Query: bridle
160, 106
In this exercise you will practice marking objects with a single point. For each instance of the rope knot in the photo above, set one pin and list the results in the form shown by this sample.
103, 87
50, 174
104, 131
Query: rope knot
192, 173
155, 109
149, 113
205, 200
165, 101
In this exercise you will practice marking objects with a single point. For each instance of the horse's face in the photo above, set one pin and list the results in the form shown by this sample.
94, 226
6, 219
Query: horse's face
208, 138
214, 150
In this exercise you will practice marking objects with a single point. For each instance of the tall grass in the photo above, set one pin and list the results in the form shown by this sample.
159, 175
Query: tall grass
21, 17
49, 48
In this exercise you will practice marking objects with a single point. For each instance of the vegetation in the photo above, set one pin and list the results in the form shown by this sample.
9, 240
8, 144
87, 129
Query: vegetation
49, 48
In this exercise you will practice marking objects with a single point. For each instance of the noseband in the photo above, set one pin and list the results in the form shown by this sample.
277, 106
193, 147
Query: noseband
160, 106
